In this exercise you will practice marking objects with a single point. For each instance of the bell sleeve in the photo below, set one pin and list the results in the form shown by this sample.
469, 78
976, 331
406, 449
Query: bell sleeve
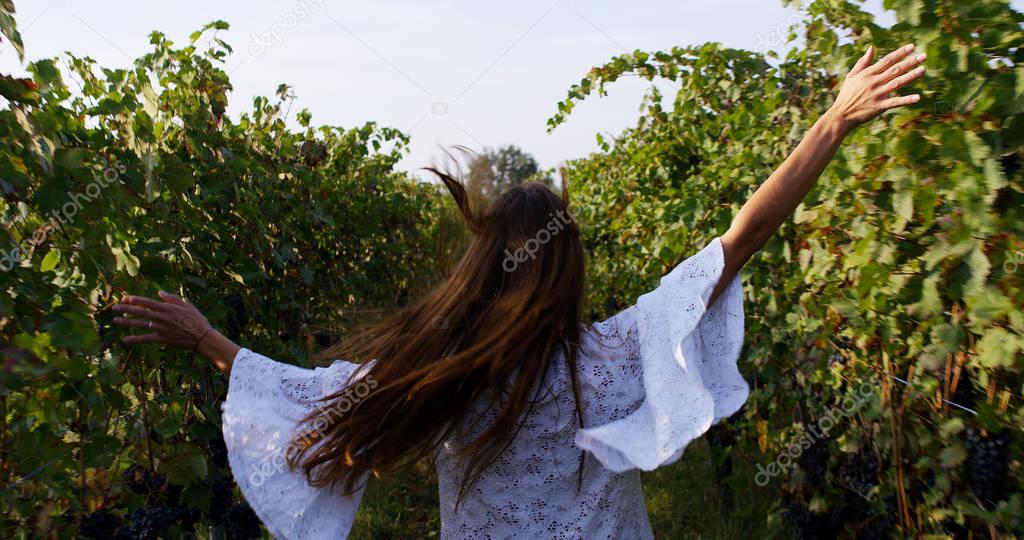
266, 401
687, 354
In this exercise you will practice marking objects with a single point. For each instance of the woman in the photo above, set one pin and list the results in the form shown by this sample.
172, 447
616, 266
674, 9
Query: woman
539, 426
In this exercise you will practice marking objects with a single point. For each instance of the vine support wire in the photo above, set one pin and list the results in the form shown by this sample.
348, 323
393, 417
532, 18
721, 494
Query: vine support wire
906, 383
957, 405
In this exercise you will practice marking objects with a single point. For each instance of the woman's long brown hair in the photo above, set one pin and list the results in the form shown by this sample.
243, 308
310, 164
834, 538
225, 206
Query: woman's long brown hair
489, 331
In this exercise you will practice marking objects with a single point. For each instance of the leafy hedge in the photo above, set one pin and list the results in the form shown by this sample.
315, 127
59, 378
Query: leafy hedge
137, 181
906, 263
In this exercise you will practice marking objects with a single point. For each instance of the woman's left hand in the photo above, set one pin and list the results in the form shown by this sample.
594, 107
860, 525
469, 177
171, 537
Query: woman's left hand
171, 320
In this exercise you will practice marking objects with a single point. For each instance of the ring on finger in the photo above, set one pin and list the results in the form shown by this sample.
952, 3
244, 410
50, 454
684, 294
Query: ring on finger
150, 325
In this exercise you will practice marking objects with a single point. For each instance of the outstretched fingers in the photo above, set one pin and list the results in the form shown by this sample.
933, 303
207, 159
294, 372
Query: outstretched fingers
170, 319
903, 80
873, 88
135, 316
134, 310
891, 59
144, 302
140, 313
173, 299
134, 323
145, 338
901, 101
864, 61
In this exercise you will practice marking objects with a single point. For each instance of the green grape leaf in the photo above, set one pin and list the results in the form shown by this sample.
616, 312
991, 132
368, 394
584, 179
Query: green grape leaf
999, 348
187, 467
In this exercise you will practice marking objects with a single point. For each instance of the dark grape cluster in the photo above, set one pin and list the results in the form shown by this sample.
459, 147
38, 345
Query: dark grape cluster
721, 436
987, 463
852, 508
242, 523
843, 344
101, 524
165, 506
881, 525
143, 481
878, 527
222, 501
814, 462
806, 524
955, 530
818, 396
1005, 196
238, 318
149, 522
187, 517
919, 486
1010, 163
859, 472
218, 453
611, 306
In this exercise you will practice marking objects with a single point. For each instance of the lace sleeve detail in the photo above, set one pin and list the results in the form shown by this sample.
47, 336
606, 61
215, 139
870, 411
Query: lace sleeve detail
265, 403
687, 355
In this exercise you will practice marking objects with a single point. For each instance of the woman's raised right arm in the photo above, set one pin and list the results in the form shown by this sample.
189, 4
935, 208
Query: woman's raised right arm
866, 92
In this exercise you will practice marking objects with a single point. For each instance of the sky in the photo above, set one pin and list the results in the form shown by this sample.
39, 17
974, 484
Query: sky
473, 73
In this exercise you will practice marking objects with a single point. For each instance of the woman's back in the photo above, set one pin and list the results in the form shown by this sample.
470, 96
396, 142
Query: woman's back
531, 489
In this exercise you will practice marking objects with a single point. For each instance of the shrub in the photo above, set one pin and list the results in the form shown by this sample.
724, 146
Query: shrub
136, 182
905, 263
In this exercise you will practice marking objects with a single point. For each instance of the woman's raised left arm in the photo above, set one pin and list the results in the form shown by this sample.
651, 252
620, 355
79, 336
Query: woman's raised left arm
866, 92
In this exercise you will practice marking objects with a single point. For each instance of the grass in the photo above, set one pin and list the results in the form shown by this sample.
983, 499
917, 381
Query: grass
404, 506
684, 502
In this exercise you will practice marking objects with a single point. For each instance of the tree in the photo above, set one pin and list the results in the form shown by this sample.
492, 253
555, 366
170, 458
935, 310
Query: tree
494, 171
514, 167
480, 183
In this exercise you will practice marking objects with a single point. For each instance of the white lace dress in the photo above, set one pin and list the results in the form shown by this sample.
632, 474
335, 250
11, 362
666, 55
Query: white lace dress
653, 378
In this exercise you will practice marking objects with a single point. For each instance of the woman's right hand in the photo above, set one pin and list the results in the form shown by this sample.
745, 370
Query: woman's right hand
868, 89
